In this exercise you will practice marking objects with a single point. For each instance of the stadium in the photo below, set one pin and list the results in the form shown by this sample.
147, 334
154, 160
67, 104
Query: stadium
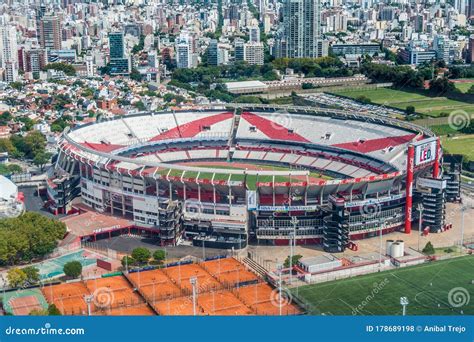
224, 176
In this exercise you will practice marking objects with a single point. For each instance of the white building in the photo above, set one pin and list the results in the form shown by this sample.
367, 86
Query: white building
254, 53
9, 53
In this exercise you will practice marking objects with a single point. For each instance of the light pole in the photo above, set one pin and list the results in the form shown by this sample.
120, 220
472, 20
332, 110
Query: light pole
280, 268
382, 226
420, 221
463, 209
88, 299
193, 281
404, 303
294, 221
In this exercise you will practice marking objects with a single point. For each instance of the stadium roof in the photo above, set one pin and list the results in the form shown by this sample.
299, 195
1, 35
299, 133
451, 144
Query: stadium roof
8, 189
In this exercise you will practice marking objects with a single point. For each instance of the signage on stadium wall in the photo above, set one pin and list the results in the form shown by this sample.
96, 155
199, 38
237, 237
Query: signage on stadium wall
374, 201
251, 199
288, 208
425, 151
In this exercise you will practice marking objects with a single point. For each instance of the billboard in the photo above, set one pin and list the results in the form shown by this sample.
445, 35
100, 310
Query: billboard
251, 200
425, 151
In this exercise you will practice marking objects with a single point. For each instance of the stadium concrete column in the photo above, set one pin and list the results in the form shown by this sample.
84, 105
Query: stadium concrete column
436, 162
409, 188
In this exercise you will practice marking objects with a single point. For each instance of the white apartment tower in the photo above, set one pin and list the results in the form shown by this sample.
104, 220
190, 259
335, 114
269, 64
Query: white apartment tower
302, 28
9, 53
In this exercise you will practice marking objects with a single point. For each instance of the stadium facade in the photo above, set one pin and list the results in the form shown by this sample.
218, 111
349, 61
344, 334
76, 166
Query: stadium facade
224, 176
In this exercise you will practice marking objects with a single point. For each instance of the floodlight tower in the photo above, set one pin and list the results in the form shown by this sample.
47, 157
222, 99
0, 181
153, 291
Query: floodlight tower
404, 303
193, 281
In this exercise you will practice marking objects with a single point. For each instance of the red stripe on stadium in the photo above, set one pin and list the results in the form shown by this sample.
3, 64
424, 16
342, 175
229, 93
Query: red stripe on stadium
102, 147
193, 128
272, 129
375, 144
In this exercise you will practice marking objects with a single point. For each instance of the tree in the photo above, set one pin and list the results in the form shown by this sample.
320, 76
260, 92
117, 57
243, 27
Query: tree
16, 277
295, 260
41, 159
141, 255
32, 274
73, 269
470, 90
38, 312
364, 99
68, 69
128, 261
159, 255
410, 110
442, 85
429, 249
53, 310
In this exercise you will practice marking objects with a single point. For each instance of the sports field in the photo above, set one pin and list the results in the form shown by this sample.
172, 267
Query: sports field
432, 106
463, 144
251, 180
463, 84
436, 288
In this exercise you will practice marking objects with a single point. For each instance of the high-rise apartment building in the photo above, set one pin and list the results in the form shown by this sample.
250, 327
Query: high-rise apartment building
119, 63
302, 28
9, 53
50, 32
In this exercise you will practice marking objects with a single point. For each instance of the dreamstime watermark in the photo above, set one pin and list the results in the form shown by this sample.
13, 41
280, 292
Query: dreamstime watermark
281, 299
458, 297
281, 120
45, 330
376, 288
370, 210
459, 119
103, 297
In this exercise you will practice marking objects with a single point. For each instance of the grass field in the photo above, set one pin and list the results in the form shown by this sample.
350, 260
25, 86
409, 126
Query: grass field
251, 179
426, 286
463, 144
432, 106
464, 85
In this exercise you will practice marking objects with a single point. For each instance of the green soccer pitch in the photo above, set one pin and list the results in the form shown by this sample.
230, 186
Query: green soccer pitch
435, 288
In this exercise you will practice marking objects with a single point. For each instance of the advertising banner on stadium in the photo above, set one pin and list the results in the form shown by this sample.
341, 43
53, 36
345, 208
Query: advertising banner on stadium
287, 208
425, 151
251, 200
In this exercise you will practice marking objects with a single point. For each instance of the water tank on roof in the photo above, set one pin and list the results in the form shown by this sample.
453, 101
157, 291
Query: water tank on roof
396, 250
388, 247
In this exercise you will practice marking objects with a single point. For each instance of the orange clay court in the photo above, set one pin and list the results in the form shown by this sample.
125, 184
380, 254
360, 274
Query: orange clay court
155, 285
113, 292
264, 300
68, 297
229, 271
222, 303
182, 306
182, 275
221, 291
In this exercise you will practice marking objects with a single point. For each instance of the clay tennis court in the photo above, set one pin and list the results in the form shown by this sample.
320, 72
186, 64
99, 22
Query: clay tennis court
154, 285
182, 306
222, 290
68, 297
229, 272
222, 303
264, 300
113, 292
138, 310
22, 306
182, 275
